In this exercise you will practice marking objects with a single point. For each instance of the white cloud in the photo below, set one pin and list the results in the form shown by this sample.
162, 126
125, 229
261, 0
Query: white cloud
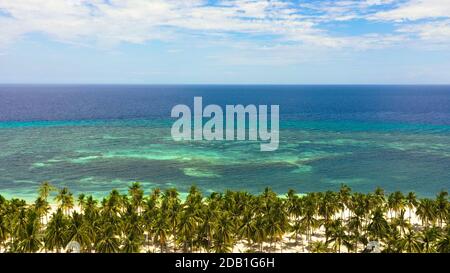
429, 35
425, 22
115, 21
343, 10
415, 10
107, 23
137, 21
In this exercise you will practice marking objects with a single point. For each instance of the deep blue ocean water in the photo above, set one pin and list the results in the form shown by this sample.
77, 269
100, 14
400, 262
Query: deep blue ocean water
93, 138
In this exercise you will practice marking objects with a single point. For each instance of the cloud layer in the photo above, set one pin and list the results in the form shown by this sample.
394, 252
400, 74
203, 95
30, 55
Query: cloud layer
107, 23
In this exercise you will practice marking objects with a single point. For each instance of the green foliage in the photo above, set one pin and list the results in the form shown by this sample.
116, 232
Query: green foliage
161, 221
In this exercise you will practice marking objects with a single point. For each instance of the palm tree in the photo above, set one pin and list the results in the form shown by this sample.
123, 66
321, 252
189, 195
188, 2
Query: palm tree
391, 241
260, 235
277, 222
378, 227
30, 240
442, 207
12, 212
78, 231
319, 247
379, 197
208, 224
355, 226
56, 232
132, 231
309, 220
222, 236
247, 228
160, 230
137, 195
401, 223
338, 236
65, 200
328, 208
298, 226
410, 242
428, 238
344, 198
186, 230
45, 189
443, 241
42, 208
131, 243
426, 210
396, 202
411, 202
148, 216
171, 204
113, 203
291, 201
108, 241
4, 229
91, 222
19, 227
81, 201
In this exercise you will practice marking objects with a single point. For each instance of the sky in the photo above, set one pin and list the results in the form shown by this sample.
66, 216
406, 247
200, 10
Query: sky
225, 41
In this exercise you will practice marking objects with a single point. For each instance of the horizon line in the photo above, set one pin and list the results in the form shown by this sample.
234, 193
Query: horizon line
239, 84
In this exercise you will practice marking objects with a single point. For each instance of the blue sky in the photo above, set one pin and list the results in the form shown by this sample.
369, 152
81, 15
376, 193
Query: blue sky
225, 41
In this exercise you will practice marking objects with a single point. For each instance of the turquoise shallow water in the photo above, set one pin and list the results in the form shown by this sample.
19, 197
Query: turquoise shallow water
93, 138
96, 156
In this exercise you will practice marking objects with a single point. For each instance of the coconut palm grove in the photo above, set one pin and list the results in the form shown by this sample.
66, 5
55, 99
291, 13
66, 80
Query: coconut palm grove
233, 221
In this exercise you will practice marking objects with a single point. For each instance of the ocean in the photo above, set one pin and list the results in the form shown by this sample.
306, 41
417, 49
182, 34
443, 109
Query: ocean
93, 138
